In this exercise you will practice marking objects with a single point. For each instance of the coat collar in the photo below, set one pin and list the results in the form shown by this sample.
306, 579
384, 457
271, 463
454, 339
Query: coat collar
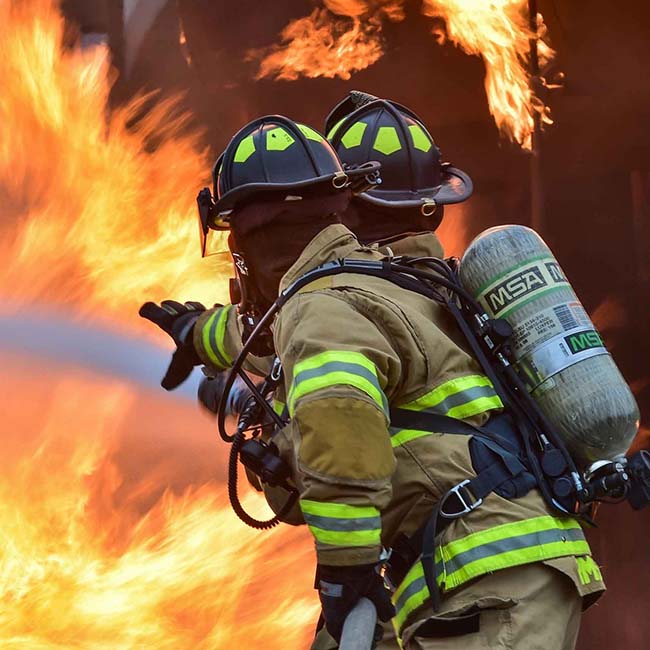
425, 244
332, 243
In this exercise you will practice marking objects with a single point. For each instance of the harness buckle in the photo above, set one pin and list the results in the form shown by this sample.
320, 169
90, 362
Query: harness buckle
467, 502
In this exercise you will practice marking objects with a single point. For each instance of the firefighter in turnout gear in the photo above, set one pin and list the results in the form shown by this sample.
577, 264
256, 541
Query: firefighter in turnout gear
365, 361
533, 601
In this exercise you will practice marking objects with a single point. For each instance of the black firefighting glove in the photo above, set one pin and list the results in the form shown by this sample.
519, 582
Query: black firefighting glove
341, 587
178, 321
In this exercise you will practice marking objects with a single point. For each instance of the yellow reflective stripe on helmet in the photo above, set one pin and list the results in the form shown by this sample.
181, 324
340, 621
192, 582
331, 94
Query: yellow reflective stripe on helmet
278, 139
420, 138
310, 133
387, 140
340, 524
213, 337
336, 368
499, 547
354, 135
245, 150
335, 128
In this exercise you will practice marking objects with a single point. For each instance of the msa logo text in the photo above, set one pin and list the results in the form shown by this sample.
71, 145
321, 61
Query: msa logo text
586, 340
555, 272
521, 284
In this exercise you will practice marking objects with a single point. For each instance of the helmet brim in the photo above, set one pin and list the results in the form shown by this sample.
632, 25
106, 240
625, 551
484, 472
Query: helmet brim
324, 185
456, 187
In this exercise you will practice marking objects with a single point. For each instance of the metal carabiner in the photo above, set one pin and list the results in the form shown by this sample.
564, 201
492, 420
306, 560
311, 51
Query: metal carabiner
276, 371
466, 507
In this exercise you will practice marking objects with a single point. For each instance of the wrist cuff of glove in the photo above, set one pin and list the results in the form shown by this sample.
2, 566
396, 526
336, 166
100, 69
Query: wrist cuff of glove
344, 574
183, 329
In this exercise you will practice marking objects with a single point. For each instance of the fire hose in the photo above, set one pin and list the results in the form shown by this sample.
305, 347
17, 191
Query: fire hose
359, 627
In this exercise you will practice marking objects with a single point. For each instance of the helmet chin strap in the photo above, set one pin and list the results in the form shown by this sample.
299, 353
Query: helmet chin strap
252, 306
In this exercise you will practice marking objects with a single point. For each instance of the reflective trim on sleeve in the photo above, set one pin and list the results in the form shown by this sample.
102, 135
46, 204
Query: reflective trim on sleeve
500, 547
339, 524
213, 338
336, 368
280, 408
460, 398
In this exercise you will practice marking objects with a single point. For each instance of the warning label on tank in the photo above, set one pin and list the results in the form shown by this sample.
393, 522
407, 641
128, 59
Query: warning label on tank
546, 324
558, 353
521, 285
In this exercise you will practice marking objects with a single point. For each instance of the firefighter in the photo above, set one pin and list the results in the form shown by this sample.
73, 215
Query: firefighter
402, 215
511, 572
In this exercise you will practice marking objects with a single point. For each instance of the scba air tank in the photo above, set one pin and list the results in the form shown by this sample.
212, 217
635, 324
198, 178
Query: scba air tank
574, 380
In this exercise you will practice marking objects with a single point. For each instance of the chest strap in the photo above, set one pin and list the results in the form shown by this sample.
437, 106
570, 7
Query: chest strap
460, 500
469, 493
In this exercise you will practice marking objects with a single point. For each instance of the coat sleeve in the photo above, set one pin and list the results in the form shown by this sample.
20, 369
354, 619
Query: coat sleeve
217, 340
337, 366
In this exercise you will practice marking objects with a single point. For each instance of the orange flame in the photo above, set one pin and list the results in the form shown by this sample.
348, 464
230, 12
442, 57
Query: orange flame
498, 31
324, 44
98, 217
95, 214
92, 557
333, 42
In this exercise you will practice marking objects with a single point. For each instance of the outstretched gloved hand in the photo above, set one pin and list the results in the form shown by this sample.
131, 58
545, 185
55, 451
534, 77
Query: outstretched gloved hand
341, 587
178, 321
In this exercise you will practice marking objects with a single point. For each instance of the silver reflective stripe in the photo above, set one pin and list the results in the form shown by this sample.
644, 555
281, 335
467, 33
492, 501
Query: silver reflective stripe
460, 398
212, 338
412, 589
497, 547
340, 366
342, 525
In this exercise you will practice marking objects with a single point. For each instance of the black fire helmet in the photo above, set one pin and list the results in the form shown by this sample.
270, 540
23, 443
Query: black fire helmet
363, 127
274, 157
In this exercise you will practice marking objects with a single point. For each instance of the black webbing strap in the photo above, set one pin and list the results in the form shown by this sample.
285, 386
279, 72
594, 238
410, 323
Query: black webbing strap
429, 556
488, 479
460, 500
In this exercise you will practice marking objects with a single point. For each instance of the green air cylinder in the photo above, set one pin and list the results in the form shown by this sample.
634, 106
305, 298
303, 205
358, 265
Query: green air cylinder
558, 351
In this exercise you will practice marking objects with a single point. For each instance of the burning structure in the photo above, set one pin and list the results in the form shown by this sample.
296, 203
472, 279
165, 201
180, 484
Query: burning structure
97, 215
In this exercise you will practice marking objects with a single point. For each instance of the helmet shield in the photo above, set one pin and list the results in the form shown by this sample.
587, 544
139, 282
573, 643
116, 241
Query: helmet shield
213, 242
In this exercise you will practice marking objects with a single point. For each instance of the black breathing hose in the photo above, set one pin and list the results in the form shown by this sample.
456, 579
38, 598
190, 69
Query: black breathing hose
238, 440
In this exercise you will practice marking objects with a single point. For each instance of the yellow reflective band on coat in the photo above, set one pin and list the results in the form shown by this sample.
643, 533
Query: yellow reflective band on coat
339, 524
460, 398
213, 338
499, 547
336, 368
279, 407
